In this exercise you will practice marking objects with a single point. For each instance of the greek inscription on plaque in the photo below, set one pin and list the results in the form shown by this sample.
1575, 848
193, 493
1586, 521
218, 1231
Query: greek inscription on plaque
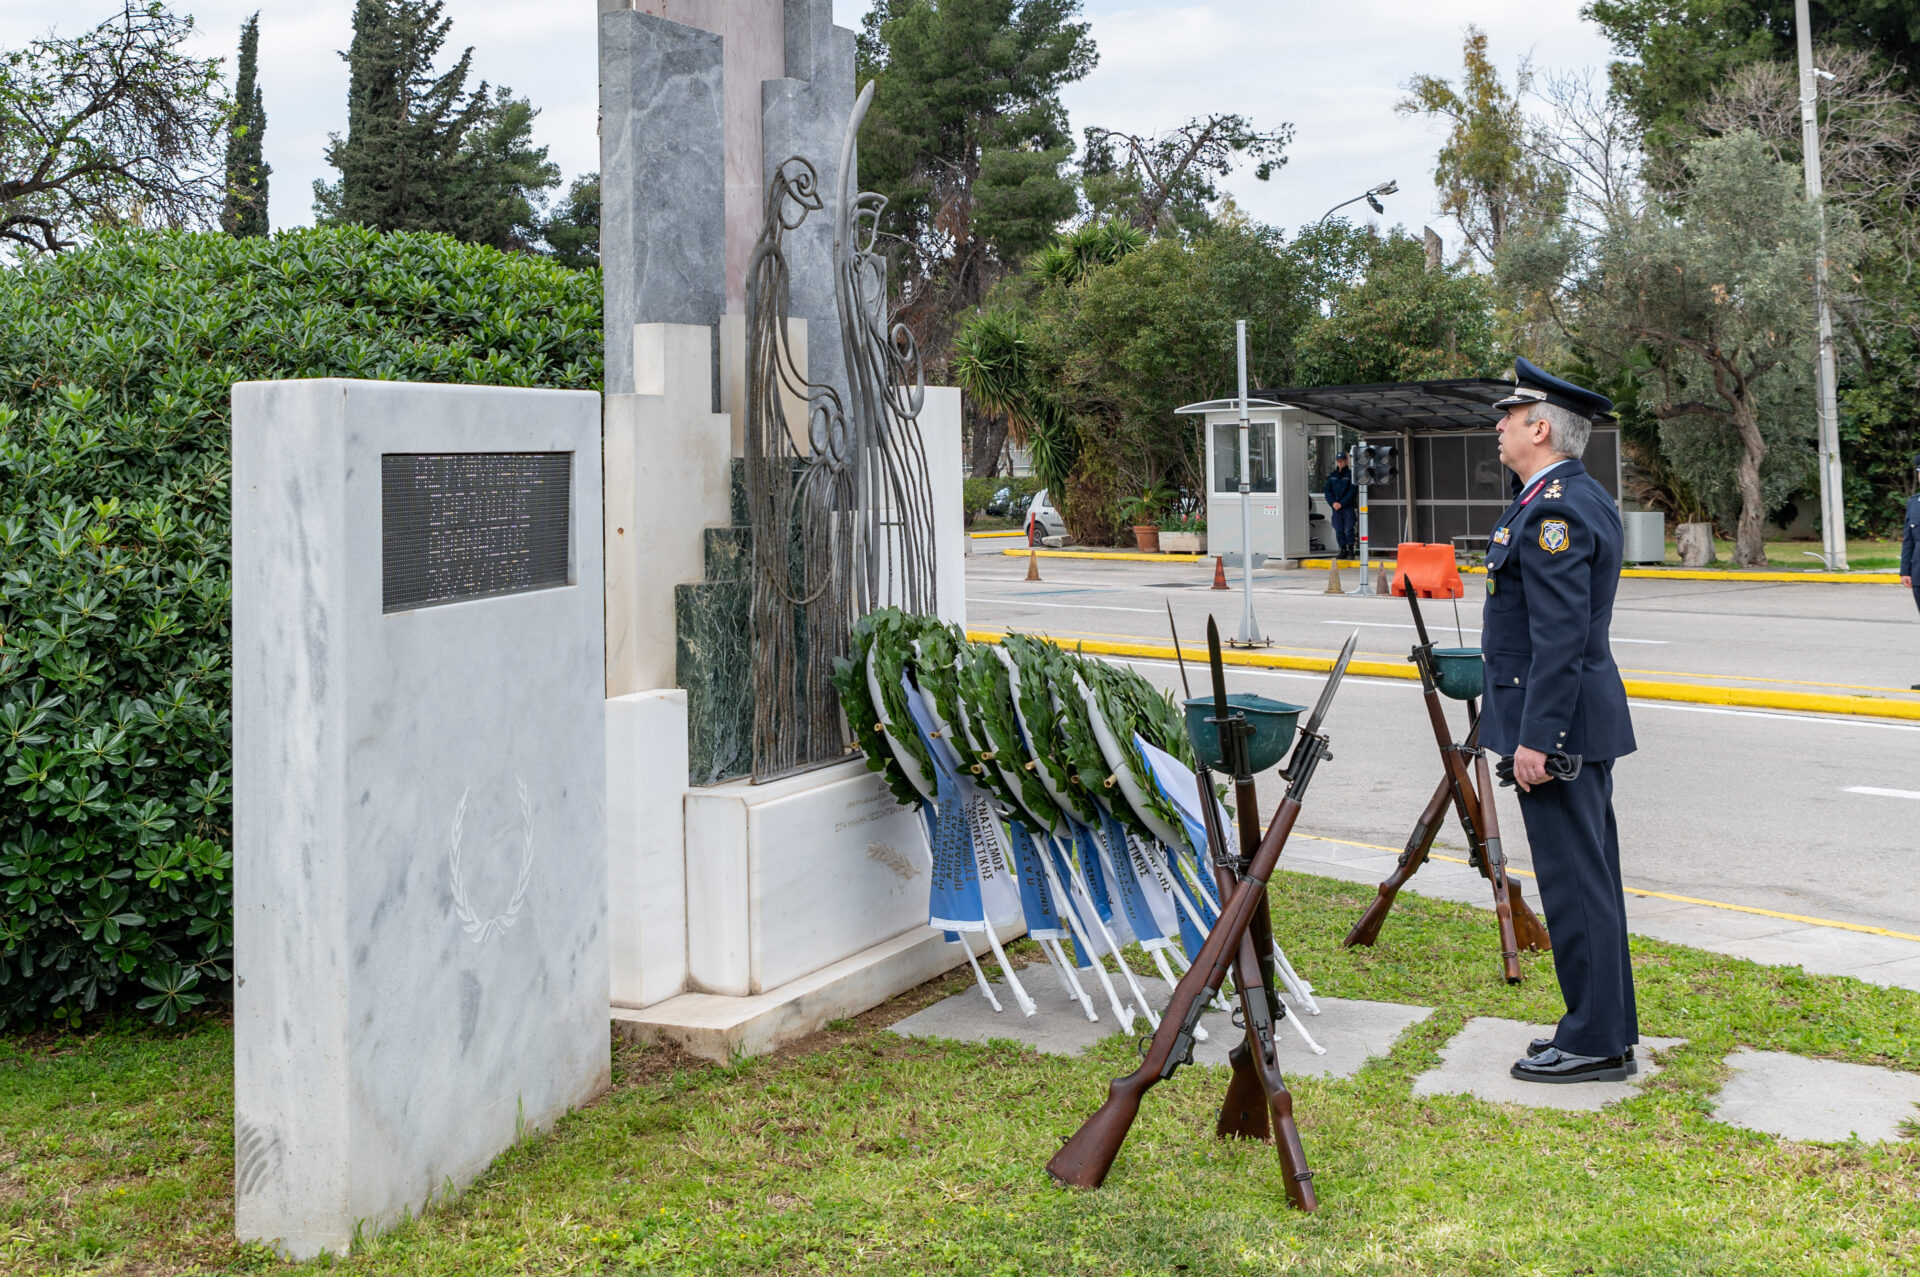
472, 525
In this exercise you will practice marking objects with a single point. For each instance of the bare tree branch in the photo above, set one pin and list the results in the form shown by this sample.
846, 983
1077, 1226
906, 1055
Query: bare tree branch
110, 127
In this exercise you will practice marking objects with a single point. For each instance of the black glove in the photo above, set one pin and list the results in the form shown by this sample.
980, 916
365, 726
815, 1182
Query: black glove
1560, 766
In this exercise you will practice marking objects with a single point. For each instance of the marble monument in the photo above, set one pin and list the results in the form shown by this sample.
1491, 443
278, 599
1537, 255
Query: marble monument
420, 869
742, 915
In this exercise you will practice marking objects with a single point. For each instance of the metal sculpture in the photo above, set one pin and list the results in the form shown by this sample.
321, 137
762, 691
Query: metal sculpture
841, 511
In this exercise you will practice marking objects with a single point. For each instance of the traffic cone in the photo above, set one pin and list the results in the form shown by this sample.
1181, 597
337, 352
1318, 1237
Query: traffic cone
1219, 572
1333, 576
1033, 564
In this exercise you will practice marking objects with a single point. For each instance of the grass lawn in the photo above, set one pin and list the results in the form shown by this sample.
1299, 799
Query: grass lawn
857, 1151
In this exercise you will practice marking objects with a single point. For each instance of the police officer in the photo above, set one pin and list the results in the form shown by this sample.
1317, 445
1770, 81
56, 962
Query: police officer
1342, 495
1910, 544
1553, 696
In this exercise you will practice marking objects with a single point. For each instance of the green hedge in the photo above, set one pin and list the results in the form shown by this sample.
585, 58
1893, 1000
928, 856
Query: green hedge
115, 742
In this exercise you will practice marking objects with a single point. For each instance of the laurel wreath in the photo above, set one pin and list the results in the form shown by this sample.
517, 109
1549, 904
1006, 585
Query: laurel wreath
482, 929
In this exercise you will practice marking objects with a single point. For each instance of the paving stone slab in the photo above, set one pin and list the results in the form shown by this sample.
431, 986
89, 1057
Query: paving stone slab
1351, 1031
1799, 1098
1477, 1060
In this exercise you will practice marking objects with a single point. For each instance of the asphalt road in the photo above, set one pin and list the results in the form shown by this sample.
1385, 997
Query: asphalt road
1747, 807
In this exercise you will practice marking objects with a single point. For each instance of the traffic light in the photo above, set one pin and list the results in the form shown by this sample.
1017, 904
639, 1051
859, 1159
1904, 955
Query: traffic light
1362, 461
1383, 465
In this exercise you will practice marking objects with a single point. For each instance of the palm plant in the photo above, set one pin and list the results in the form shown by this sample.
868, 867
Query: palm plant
994, 363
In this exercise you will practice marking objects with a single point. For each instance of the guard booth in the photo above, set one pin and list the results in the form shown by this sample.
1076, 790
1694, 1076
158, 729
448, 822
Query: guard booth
1290, 450
1451, 486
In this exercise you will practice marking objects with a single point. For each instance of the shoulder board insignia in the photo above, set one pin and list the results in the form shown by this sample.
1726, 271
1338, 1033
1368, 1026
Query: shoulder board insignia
1553, 535
1502, 535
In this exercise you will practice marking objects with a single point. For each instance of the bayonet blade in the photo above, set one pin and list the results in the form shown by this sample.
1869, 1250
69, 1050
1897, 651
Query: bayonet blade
1333, 684
1178, 654
1219, 675
1419, 621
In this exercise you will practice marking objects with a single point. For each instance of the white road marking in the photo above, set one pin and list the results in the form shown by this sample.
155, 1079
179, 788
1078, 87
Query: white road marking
1079, 607
1882, 793
1400, 625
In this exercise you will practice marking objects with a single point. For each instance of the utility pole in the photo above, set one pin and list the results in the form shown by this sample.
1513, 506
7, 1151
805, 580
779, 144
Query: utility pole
1362, 467
1249, 628
1833, 506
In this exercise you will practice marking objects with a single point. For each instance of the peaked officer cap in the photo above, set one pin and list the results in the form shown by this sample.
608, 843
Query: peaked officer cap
1531, 385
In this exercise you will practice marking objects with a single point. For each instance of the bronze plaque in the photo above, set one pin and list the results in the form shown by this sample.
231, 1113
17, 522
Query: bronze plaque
472, 525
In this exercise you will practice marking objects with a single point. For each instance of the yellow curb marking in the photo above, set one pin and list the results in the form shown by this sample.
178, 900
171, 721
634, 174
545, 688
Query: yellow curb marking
1676, 574
1133, 556
1656, 895
1012, 532
1748, 698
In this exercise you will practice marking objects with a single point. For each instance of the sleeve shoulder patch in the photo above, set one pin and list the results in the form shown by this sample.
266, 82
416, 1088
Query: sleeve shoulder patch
1554, 535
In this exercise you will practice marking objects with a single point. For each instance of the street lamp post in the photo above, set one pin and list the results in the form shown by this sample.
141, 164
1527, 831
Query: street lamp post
1370, 195
1833, 502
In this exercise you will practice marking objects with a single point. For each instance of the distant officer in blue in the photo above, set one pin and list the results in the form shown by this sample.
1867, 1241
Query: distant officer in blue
1554, 694
1343, 497
1910, 544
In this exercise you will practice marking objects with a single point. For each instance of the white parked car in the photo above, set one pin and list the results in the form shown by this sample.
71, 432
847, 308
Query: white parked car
1043, 520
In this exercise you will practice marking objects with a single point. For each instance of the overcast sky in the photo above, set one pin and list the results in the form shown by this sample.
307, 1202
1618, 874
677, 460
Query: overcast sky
1333, 70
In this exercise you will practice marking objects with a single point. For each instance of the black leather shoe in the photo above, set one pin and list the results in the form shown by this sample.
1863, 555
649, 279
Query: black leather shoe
1555, 1065
1540, 1045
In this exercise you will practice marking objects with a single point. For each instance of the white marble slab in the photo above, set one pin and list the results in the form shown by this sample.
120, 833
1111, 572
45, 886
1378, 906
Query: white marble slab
646, 845
940, 430
789, 877
420, 870
666, 481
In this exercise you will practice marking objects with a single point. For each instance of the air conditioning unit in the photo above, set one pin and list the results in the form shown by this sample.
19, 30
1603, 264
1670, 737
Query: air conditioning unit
1646, 539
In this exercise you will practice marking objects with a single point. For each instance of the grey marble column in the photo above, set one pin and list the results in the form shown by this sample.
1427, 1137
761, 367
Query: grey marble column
663, 239
806, 114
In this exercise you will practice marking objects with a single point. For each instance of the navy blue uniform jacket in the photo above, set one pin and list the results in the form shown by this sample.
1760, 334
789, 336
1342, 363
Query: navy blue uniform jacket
1553, 564
1910, 545
1341, 488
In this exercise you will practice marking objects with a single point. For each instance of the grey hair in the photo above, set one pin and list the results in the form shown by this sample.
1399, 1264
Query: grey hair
1567, 431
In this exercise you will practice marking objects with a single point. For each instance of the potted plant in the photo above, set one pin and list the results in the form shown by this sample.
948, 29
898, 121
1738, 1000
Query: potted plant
1142, 513
1183, 534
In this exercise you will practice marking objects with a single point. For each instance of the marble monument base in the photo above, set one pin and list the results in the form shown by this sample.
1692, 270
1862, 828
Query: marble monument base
746, 916
721, 1028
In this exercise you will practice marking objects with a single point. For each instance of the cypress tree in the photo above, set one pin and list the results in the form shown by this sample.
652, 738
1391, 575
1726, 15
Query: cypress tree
245, 210
421, 152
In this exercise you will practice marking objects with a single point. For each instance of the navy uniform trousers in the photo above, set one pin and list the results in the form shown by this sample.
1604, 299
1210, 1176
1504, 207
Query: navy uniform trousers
1553, 564
1576, 856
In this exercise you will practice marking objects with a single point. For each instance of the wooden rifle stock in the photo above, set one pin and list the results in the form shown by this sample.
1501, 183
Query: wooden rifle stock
1085, 1159
1258, 1104
1494, 865
1419, 844
1527, 927
1520, 927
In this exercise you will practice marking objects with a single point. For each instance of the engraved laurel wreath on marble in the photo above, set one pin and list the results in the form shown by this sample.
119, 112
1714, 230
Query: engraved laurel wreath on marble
482, 929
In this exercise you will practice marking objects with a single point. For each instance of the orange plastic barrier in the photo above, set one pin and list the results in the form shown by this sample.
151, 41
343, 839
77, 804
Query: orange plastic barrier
1430, 569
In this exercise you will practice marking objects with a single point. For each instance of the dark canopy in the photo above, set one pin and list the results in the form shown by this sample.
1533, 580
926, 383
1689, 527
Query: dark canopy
1419, 406
1450, 453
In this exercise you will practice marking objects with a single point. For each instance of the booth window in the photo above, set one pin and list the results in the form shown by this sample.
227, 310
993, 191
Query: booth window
1226, 456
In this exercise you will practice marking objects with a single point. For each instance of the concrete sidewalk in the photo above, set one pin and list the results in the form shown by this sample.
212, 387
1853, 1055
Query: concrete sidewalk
1757, 937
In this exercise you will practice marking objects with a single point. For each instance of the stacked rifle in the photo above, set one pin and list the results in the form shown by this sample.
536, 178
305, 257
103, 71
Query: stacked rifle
1258, 1104
1519, 926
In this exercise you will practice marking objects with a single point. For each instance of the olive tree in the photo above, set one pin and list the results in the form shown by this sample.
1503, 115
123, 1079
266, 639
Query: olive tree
1709, 299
